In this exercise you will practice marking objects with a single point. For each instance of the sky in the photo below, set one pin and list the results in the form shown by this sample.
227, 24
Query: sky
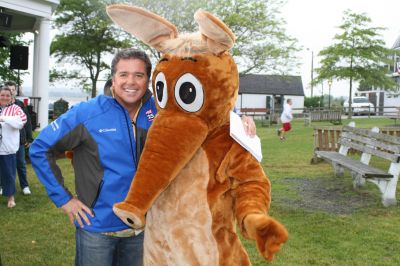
314, 23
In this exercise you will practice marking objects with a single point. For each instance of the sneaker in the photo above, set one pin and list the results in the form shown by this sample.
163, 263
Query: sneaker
282, 138
26, 191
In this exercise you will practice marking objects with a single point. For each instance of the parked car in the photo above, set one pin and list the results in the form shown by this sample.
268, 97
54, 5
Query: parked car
359, 105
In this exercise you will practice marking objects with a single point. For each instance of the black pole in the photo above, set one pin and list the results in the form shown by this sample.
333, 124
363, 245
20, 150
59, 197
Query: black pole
18, 84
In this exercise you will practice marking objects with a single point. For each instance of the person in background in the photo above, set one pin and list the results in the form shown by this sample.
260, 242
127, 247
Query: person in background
286, 118
106, 135
12, 119
25, 140
107, 88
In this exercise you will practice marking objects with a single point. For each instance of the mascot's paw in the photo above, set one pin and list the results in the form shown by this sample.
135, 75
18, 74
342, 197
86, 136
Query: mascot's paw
129, 214
268, 233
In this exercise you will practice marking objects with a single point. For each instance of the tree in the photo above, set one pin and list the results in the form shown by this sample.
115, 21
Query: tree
86, 34
7, 40
358, 54
312, 102
262, 44
364, 86
85, 37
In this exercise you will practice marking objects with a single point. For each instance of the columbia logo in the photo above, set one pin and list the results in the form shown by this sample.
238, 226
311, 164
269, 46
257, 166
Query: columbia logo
54, 125
103, 130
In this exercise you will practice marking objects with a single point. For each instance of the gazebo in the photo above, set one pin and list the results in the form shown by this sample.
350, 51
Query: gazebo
33, 16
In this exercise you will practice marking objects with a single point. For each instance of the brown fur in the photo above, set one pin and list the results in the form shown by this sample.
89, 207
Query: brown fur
194, 181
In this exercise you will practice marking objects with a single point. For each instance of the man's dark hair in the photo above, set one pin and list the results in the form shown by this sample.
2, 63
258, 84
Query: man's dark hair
131, 53
10, 83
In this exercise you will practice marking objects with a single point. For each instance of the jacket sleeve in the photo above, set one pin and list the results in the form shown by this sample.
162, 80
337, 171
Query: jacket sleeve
51, 142
13, 121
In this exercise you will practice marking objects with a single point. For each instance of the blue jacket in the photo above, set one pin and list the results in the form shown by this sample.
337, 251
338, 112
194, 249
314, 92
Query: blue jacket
106, 155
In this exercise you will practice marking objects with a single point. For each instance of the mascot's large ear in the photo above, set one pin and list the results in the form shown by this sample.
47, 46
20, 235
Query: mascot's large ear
144, 25
219, 37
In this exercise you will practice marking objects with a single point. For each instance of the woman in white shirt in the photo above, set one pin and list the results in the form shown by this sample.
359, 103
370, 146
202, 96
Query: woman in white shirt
12, 119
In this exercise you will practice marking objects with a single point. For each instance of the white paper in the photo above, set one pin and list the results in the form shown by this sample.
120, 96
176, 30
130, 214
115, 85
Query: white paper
252, 144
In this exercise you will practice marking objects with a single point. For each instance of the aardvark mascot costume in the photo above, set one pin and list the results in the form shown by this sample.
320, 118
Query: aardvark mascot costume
194, 182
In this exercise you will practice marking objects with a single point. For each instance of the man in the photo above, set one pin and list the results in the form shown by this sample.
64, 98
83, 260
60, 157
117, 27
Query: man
25, 140
286, 118
107, 135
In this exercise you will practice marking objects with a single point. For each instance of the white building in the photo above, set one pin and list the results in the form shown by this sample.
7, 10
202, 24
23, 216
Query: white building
33, 16
270, 92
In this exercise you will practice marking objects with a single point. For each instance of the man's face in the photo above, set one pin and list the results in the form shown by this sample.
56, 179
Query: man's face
13, 91
130, 82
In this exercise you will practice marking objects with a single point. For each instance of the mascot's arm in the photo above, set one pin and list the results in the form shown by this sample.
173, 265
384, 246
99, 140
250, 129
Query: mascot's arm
251, 190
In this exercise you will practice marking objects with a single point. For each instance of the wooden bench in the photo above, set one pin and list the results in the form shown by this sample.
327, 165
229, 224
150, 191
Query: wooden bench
268, 116
368, 142
326, 138
394, 115
254, 111
332, 115
395, 118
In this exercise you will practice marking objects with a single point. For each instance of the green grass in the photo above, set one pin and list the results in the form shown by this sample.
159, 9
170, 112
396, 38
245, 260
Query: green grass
37, 233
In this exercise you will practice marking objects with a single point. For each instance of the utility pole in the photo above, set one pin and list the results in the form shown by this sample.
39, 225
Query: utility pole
312, 71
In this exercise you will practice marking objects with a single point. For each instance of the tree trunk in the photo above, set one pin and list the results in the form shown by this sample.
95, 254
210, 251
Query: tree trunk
94, 92
351, 90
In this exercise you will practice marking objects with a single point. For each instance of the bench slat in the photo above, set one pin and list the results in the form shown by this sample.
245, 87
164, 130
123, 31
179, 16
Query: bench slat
357, 166
368, 133
388, 156
382, 145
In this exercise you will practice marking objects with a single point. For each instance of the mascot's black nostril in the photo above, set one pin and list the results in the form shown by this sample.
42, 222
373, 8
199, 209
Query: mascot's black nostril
130, 220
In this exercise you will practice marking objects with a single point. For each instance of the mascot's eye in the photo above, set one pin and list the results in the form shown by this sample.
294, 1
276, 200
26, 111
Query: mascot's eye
161, 90
189, 93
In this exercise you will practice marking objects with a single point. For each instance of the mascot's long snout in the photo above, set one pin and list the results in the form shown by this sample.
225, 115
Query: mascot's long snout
171, 143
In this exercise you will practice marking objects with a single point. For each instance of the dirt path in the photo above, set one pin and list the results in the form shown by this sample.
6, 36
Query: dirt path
328, 195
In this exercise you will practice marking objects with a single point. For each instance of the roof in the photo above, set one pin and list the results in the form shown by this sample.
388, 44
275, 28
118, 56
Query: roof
271, 84
24, 16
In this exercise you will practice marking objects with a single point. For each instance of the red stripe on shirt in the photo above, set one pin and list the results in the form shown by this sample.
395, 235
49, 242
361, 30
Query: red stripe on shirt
14, 110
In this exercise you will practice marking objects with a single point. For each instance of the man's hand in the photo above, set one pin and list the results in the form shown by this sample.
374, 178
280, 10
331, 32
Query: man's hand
249, 125
78, 211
